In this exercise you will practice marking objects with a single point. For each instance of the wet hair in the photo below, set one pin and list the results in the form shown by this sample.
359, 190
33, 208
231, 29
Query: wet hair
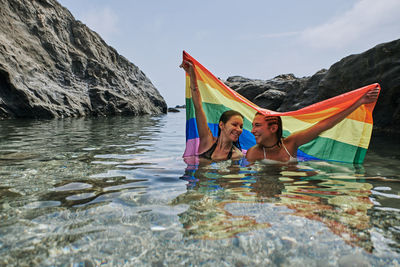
274, 120
225, 117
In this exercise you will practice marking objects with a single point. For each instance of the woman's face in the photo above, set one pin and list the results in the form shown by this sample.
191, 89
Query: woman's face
233, 128
261, 129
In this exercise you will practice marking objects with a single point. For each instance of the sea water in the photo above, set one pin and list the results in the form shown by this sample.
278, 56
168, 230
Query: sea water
116, 192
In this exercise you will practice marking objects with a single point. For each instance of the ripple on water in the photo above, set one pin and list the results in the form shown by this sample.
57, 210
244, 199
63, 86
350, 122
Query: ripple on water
72, 187
81, 196
42, 204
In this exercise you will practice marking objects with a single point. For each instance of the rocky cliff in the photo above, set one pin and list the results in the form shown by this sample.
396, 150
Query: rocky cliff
380, 64
54, 66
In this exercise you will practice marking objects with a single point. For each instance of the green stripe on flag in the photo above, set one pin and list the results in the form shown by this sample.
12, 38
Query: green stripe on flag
213, 113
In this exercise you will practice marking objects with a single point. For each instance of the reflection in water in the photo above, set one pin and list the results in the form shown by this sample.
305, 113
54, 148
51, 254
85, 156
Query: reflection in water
341, 202
333, 194
210, 189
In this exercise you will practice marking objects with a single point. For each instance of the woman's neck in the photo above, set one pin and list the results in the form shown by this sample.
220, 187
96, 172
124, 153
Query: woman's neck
270, 143
224, 144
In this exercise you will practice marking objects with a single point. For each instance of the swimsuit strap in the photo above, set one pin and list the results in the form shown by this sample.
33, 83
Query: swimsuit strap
208, 154
290, 156
230, 153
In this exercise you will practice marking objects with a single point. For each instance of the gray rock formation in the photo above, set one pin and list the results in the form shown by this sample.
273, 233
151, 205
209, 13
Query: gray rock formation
380, 64
173, 110
54, 66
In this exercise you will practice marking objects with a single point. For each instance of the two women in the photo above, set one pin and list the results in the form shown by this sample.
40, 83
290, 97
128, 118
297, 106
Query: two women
267, 130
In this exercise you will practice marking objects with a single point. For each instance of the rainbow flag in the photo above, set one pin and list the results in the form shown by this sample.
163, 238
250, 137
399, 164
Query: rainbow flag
346, 142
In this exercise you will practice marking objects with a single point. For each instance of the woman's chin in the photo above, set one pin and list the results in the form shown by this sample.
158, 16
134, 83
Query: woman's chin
235, 139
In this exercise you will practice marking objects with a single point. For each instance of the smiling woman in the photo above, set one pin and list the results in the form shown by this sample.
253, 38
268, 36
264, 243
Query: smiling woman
268, 131
230, 126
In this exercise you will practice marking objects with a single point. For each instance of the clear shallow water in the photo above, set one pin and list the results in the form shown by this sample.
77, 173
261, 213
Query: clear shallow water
116, 192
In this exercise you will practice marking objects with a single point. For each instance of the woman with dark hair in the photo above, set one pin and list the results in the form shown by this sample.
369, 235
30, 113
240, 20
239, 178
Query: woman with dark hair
230, 126
267, 131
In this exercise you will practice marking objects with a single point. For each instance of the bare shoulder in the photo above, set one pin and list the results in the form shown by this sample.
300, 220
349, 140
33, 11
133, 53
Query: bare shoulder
290, 144
253, 153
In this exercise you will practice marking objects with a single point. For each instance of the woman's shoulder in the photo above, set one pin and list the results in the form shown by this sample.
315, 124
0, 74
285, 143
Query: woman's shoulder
206, 145
254, 153
290, 144
255, 147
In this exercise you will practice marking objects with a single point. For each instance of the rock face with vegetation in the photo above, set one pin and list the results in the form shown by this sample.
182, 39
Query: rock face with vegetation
380, 64
54, 66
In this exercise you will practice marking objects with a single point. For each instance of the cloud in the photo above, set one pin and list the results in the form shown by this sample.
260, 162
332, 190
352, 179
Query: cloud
369, 20
103, 21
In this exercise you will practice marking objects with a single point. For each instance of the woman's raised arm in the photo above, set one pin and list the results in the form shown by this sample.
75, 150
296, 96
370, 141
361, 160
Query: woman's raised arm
305, 136
205, 135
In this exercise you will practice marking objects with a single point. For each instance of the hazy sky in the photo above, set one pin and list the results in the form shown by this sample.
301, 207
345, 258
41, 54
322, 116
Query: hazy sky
257, 39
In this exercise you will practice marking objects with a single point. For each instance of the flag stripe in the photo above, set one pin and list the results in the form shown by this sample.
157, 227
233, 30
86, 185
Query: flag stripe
326, 148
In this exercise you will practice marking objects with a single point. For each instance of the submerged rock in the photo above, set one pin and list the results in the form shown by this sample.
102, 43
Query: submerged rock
52, 65
380, 64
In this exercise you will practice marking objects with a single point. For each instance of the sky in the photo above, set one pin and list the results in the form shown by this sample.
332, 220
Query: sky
257, 39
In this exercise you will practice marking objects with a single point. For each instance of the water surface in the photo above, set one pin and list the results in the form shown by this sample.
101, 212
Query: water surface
116, 192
